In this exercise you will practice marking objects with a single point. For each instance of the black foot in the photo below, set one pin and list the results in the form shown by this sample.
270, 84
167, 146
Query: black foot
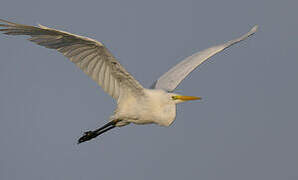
88, 136
93, 134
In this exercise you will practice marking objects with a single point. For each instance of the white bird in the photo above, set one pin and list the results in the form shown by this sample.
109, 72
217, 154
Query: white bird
135, 104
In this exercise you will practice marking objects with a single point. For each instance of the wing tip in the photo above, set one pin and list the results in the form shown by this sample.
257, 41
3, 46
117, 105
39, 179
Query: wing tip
254, 29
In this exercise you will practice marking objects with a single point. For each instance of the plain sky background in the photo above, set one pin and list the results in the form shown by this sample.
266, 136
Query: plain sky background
244, 128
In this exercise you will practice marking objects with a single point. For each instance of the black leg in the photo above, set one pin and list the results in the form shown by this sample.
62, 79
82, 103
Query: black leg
112, 123
93, 134
104, 130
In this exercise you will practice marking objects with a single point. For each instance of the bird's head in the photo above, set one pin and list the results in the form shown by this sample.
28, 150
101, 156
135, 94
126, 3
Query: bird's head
177, 98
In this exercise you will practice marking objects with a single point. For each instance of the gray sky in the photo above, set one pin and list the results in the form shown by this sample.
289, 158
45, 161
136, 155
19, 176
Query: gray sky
245, 127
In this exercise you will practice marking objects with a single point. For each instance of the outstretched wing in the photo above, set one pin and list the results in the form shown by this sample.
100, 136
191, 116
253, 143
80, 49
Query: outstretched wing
88, 54
171, 79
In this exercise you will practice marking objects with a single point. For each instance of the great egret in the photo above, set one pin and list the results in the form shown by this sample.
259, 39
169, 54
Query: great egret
135, 104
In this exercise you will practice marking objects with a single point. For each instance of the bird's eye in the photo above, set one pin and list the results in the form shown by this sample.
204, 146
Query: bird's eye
174, 97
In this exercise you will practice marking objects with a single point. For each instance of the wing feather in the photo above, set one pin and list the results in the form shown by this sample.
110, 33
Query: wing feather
88, 54
171, 79
102, 73
85, 62
107, 79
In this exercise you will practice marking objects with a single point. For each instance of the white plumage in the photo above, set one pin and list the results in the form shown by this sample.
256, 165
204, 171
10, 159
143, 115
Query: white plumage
135, 104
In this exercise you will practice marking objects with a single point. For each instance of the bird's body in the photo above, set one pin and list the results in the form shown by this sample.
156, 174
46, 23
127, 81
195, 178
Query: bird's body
135, 104
155, 106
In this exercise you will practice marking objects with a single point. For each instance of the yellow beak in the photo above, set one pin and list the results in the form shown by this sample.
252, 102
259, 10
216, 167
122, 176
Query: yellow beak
187, 98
